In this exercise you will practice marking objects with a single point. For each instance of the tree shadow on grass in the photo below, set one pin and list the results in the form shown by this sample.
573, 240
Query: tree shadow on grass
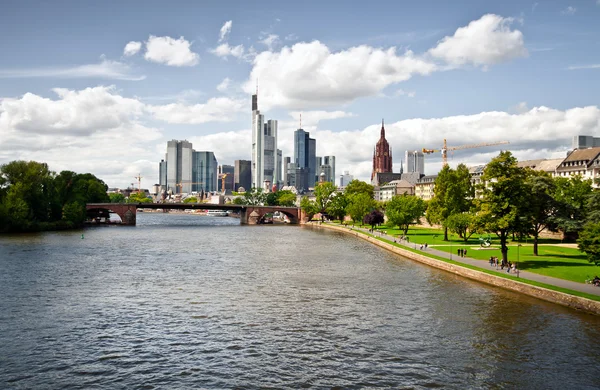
565, 256
538, 264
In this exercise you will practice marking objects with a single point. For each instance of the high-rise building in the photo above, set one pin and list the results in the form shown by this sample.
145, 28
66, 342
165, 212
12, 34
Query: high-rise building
179, 166
205, 172
382, 155
264, 149
242, 175
345, 178
329, 161
286, 163
305, 159
162, 175
414, 161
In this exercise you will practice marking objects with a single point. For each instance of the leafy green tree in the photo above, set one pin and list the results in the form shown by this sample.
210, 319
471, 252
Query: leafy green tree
540, 209
239, 200
592, 206
374, 218
272, 198
463, 224
255, 197
453, 194
324, 193
74, 213
572, 195
116, 197
357, 187
404, 210
502, 197
138, 197
286, 198
359, 204
337, 207
309, 207
190, 199
589, 242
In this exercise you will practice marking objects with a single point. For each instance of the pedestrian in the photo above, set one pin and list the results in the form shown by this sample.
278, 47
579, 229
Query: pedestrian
465, 253
458, 252
425, 246
421, 247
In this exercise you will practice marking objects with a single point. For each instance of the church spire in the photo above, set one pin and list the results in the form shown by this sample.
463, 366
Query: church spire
382, 129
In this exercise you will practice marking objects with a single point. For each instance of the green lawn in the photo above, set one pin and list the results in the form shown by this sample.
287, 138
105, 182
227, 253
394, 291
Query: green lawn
553, 260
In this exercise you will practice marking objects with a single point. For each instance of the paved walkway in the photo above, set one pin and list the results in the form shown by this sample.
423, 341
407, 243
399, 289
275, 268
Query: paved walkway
484, 264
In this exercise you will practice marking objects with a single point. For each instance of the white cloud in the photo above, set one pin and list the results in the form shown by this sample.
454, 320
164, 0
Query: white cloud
132, 48
569, 11
220, 109
578, 67
270, 41
486, 41
309, 75
224, 50
225, 30
106, 69
227, 146
312, 118
169, 51
223, 85
401, 92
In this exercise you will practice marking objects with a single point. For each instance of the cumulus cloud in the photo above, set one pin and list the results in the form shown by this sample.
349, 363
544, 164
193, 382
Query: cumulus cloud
224, 85
214, 110
224, 50
270, 41
310, 75
106, 69
132, 48
486, 41
169, 51
225, 30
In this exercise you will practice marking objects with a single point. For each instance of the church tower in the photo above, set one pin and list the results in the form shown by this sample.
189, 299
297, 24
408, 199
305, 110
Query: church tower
382, 155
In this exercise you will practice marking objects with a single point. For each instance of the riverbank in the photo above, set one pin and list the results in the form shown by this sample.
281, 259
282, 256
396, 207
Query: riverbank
571, 294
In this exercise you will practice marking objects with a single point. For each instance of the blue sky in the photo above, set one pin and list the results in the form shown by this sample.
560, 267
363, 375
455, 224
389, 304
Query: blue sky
469, 71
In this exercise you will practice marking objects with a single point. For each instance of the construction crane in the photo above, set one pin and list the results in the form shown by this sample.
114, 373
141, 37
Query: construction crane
223, 177
139, 179
444, 150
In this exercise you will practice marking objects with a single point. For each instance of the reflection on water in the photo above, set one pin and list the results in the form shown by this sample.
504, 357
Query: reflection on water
184, 301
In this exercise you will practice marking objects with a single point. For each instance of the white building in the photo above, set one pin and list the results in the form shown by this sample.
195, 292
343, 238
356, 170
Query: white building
582, 162
345, 179
179, 166
394, 188
414, 162
266, 161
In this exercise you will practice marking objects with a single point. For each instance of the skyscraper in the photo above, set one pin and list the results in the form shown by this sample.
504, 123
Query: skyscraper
330, 161
415, 161
382, 155
179, 166
265, 169
304, 159
242, 175
345, 178
205, 172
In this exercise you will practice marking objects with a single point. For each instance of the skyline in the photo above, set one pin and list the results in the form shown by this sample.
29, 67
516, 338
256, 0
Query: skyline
101, 88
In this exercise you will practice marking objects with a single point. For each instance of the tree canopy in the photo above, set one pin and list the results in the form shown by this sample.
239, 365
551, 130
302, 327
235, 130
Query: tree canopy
358, 187
404, 210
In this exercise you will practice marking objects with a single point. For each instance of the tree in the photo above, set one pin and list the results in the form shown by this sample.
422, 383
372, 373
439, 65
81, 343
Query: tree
375, 217
453, 194
337, 207
239, 200
502, 197
571, 195
324, 192
116, 197
540, 210
358, 187
255, 197
359, 204
190, 199
286, 198
589, 242
404, 210
463, 224
138, 197
309, 207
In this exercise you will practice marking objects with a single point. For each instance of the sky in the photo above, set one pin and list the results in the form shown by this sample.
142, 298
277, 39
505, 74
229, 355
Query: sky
101, 87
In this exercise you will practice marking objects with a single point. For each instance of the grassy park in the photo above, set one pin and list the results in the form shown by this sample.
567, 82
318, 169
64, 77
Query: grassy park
555, 259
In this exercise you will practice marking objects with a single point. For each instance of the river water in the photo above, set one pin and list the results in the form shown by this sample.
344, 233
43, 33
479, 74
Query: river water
187, 301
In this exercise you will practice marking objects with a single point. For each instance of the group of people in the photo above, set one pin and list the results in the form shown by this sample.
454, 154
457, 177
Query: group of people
510, 267
595, 281
462, 252
424, 246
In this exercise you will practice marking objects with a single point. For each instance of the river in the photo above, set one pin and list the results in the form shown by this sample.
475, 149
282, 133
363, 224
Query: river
188, 301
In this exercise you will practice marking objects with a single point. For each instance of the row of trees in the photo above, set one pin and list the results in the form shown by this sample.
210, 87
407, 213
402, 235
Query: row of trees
33, 198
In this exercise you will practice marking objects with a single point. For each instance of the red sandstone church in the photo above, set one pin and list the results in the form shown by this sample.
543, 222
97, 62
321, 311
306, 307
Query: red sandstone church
382, 155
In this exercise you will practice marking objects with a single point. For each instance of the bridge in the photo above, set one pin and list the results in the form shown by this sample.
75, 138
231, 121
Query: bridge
249, 215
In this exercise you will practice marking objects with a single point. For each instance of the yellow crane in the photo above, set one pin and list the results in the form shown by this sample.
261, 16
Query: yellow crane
223, 182
139, 179
444, 150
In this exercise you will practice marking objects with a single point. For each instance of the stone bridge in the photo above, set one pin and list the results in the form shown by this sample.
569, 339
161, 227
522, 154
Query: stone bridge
249, 215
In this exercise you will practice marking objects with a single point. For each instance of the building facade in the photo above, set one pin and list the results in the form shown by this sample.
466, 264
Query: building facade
179, 166
414, 162
345, 178
581, 162
424, 187
242, 175
382, 156
205, 172
229, 171
265, 163
305, 160
394, 188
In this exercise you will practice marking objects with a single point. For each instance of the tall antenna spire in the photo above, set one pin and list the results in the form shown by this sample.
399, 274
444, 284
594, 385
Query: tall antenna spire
300, 121
382, 129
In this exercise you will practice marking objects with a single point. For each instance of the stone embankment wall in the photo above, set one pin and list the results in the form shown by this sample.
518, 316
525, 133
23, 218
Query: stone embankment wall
539, 292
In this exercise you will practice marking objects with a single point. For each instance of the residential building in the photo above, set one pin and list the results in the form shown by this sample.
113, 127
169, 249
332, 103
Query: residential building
582, 162
394, 188
242, 175
382, 157
424, 187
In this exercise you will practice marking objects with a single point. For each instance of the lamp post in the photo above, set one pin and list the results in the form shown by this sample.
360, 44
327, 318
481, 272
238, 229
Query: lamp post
451, 247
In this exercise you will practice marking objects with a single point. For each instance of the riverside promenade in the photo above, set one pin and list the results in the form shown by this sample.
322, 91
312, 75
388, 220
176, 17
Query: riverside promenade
481, 270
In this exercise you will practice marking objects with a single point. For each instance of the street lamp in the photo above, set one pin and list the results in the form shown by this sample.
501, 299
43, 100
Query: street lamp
451, 247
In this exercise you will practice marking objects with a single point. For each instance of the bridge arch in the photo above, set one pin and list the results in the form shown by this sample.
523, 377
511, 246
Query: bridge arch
127, 212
